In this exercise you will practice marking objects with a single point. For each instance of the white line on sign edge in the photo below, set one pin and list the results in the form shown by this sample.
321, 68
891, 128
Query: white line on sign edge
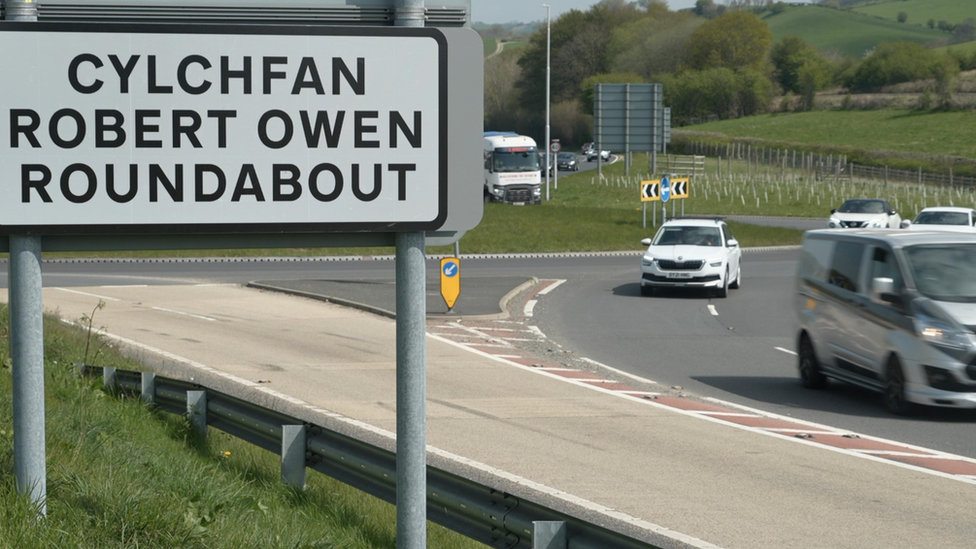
530, 306
564, 496
86, 293
552, 287
787, 351
711, 309
201, 317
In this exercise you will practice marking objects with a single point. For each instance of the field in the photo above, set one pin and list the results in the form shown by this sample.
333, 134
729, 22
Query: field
490, 45
122, 476
846, 32
919, 11
949, 133
965, 47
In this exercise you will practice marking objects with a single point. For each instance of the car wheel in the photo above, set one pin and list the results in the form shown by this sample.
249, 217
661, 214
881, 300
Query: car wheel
487, 196
724, 290
810, 375
647, 291
894, 389
738, 279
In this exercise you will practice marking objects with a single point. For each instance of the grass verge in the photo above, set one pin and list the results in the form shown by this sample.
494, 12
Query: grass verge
123, 476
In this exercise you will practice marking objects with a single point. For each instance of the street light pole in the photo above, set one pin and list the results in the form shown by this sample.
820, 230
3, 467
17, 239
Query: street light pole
548, 139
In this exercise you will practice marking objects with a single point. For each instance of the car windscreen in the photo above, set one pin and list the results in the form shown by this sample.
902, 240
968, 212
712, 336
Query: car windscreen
942, 218
944, 272
863, 207
516, 161
689, 236
566, 157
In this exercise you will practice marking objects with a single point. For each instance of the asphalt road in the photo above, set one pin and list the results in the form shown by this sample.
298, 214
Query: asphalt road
674, 339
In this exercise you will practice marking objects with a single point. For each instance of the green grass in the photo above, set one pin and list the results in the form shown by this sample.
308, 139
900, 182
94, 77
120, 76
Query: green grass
847, 32
490, 45
122, 476
937, 133
919, 11
965, 47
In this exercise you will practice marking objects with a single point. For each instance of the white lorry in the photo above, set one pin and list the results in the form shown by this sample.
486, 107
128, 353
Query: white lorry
513, 174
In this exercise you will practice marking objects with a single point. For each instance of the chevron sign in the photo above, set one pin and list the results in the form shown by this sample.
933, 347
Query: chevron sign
650, 191
679, 188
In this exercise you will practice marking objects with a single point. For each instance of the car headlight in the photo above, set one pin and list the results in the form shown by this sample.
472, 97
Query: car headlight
500, 191
833, 223
716, 262
647, 261
537, 191
878, 223
942, 334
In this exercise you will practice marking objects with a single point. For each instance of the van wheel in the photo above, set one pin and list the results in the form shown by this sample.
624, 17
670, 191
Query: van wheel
894, 389
810, 375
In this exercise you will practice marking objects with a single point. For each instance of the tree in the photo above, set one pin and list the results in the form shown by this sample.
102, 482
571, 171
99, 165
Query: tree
705, 8
894, 62
791, 56
964, 32
734, 40
778, 8
902, 16
931, 23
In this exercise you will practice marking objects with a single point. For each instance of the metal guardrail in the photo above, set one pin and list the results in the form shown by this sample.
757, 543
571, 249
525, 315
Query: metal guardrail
480, 512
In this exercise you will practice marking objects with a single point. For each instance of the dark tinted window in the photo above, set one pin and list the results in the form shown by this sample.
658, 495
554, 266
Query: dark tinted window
845, 265
863, 206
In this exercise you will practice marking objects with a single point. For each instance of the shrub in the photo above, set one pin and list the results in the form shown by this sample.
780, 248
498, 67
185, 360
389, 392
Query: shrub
931, 23
924, 101
790, 56
786, 103
894, 62
902, 16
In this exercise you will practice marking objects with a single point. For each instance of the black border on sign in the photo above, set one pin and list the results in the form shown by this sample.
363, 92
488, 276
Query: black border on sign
256, 228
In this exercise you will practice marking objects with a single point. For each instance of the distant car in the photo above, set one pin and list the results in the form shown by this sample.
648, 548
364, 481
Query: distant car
959, 220
864, 213
587, 147
567, 161
691, 253
591, 156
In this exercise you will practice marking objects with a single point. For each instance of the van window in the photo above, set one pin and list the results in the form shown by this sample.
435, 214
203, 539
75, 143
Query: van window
815, 258
884, 265
845, 265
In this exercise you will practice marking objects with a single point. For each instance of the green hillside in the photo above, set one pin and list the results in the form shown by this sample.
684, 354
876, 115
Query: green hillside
894, 130
919, 11
847, 32
965, 47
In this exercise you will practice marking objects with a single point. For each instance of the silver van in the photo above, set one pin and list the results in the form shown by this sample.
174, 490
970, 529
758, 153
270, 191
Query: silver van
893, 311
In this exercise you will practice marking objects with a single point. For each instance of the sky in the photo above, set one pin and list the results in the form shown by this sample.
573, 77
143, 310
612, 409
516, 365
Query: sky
526, 11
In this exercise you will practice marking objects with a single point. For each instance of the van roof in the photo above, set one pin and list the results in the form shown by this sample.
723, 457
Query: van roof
894, 237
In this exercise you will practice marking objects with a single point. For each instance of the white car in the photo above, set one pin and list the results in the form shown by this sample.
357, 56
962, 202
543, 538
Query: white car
692, 253
604, 155
957, 220
864, 213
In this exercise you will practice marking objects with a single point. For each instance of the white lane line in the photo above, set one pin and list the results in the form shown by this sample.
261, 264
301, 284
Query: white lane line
726, 414
787, 351
481, 334
510, 356
124, 286
88, 294
551, 287
906, 454
616, 371
201, 317
711, 309
530, 306
519, 339
807, 431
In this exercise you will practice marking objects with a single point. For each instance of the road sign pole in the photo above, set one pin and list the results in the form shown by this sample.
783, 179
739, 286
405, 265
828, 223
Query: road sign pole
27, 344
644, 213
411, 376
27, 355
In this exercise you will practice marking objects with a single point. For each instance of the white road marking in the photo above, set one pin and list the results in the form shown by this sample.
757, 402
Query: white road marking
519, 339
787, 351
711, 309
616, 371
201, 317
905, 454
535, 330
125, 286
726, 414
88, 294
479, 333
530, 306
511, 356
551, 287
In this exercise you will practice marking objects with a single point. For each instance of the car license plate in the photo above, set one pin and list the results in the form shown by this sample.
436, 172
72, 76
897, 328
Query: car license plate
518, 203
679, 275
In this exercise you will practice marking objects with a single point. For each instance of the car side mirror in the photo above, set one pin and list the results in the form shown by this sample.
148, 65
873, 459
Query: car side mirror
732, 243
906, 224
833, 210
646, 241
892, 212
883, 291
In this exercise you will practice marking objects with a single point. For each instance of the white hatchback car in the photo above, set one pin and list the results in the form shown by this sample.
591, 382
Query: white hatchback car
864, 213
957, 220
692, 252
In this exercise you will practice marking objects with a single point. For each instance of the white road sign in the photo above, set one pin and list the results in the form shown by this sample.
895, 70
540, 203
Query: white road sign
220, 129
